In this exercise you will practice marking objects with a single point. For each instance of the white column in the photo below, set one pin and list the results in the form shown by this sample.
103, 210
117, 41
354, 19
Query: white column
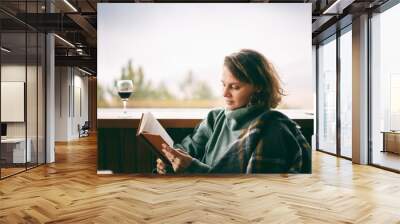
50, 101
50, 92
360, 90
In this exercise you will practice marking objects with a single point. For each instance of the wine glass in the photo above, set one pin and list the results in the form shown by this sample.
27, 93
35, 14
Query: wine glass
125, 90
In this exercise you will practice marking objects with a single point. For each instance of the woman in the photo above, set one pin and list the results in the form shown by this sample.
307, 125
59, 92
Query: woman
247, 136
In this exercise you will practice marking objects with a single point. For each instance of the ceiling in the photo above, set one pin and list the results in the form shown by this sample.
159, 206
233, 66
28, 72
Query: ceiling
76, 22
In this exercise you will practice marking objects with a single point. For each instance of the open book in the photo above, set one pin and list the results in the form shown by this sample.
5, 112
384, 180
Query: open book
152, 131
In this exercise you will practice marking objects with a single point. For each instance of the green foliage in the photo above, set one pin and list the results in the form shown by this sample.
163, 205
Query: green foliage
143, 89
203, 92
163, 92
101, 96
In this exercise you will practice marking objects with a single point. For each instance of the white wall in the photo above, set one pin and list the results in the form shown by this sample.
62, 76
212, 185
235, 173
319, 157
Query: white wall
81, 82
79, 112
62, 82
71, 102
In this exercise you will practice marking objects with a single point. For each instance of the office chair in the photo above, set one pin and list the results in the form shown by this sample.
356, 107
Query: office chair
84, 130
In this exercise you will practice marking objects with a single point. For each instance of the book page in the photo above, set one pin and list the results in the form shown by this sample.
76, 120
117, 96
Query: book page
150, 125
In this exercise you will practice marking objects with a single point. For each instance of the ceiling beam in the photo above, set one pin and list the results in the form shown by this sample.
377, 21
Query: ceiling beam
337, 6
82, 61
86, 27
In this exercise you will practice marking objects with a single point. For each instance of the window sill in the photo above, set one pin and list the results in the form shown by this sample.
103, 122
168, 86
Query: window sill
170, 117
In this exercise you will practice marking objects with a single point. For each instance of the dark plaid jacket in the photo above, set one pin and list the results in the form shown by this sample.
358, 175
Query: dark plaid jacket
271, 144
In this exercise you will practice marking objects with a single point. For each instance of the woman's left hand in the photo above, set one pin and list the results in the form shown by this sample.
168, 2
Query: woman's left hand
179, 159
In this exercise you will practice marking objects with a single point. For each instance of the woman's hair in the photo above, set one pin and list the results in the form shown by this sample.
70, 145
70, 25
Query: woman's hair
251, 67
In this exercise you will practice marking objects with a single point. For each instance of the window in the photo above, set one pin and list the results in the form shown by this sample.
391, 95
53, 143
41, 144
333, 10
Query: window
346, 93
394, 102
176, 61
385, 87
327, 96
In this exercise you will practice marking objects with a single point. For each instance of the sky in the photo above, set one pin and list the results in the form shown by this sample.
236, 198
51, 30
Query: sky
169, 39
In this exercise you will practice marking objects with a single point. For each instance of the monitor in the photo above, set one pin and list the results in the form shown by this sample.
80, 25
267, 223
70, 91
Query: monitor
3, 129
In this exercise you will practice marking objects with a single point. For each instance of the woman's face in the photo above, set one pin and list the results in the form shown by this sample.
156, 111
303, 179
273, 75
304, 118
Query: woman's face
236, 93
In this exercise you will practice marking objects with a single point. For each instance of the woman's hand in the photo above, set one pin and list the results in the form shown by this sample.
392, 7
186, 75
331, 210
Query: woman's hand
161, 167
179, 159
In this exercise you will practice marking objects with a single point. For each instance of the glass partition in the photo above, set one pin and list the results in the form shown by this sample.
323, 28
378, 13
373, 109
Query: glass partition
41, 86
31, 98
23, 87
13, 93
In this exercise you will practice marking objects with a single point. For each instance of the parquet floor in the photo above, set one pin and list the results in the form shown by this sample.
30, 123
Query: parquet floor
70, 191
9, 171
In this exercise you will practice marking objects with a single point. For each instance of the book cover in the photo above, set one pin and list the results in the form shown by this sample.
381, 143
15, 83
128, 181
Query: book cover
154, 134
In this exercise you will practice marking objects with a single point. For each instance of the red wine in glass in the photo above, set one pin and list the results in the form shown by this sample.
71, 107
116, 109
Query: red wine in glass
125, 90
124, 95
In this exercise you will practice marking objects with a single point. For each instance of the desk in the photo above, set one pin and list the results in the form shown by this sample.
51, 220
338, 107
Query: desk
13, 150
391, 141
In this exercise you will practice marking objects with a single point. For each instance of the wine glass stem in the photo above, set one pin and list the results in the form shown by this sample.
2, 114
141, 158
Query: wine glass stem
124, 102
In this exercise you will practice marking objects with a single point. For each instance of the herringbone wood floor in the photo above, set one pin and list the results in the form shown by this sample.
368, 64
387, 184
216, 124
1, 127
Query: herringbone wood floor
69, 191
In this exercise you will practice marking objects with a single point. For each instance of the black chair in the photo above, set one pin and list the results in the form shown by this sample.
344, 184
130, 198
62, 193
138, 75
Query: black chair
84, 130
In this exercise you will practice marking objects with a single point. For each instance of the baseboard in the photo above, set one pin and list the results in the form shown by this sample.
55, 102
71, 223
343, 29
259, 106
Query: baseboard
104, 172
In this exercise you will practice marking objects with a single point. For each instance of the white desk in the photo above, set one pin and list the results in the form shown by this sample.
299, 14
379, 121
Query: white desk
18, 149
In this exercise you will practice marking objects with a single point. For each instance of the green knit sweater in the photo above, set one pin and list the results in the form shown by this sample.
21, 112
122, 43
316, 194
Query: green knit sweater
231, 141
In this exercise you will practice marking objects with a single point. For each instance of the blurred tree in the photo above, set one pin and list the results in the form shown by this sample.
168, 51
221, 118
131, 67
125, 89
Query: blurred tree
163, 92
145, 90
102, 102
202, 91
142, 89
195, 90
187, 85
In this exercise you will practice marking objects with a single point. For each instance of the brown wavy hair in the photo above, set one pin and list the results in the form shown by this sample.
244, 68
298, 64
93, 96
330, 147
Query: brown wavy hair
252, 67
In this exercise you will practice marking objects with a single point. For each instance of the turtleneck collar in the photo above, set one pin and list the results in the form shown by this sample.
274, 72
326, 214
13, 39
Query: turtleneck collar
238, 118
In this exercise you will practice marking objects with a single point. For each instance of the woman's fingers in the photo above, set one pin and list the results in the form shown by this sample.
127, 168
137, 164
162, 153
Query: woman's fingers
160, 163
174, 152
179, 158
170, 153
161, 171
173, 156
161, 167
182, 151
